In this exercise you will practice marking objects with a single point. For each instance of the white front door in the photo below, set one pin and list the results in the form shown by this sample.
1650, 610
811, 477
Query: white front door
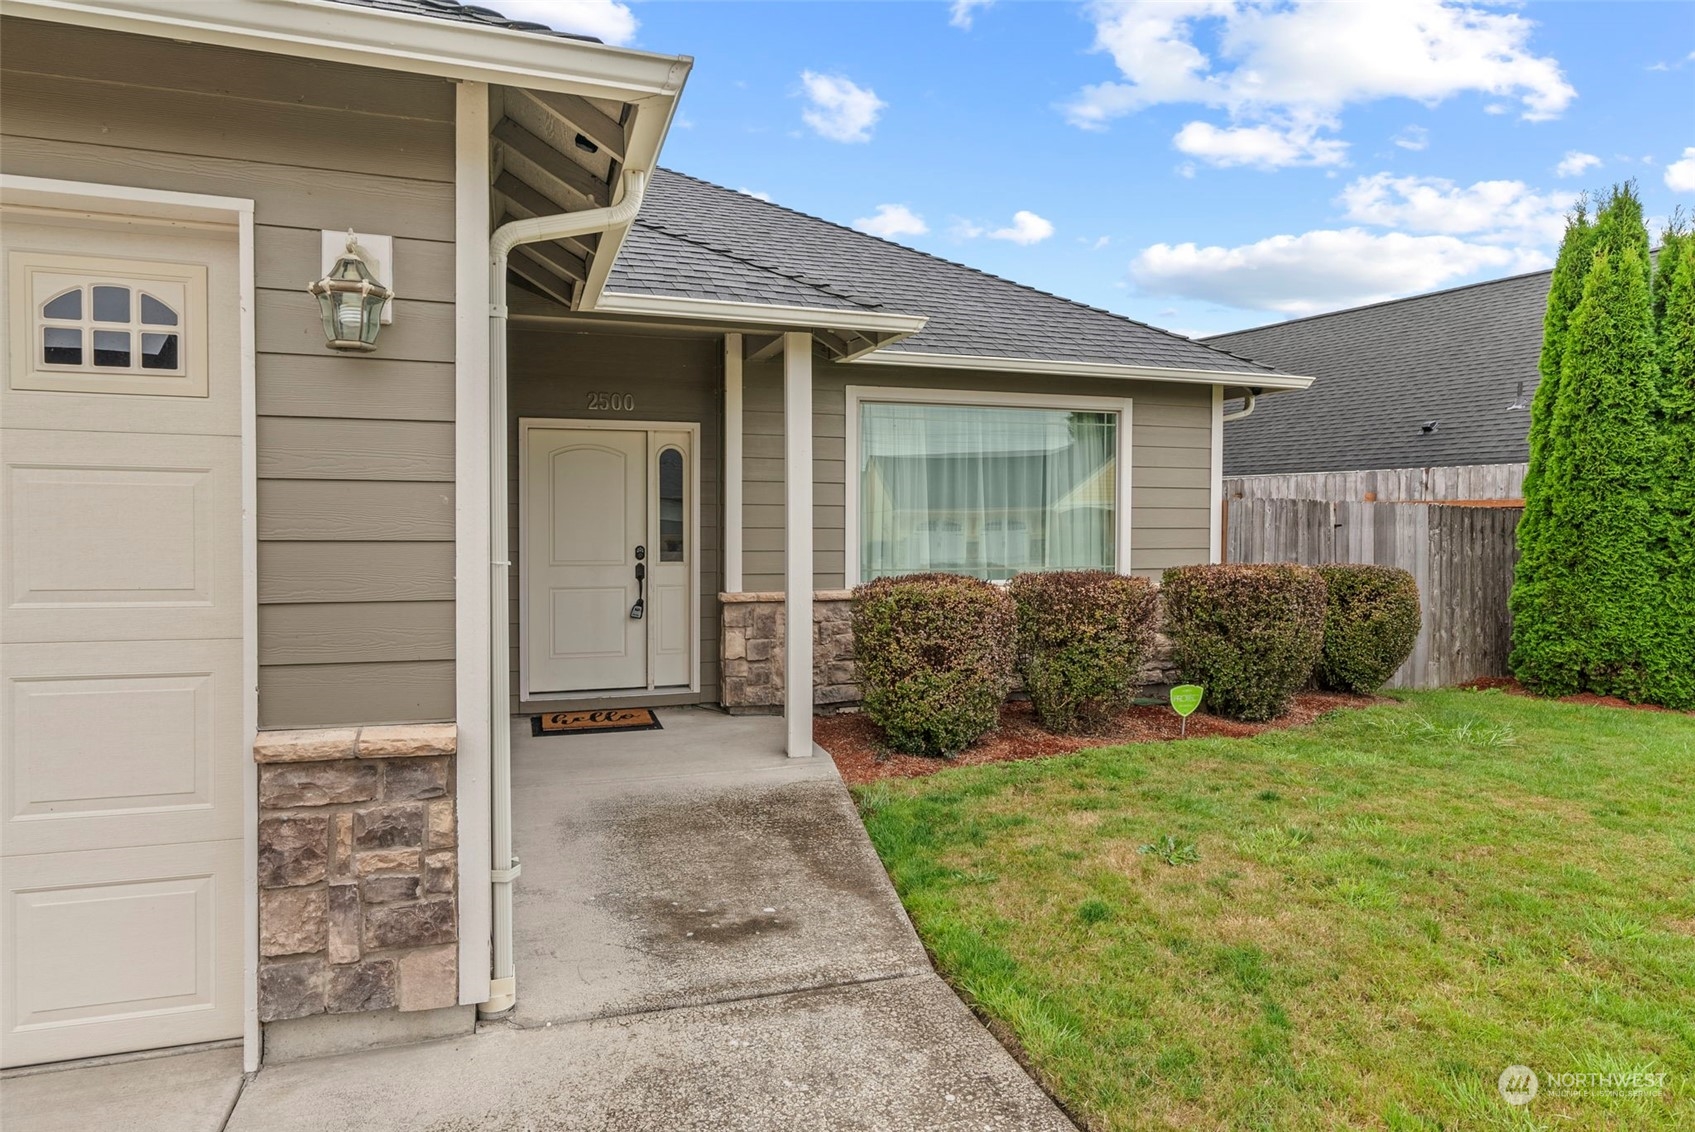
121, 747
607, 516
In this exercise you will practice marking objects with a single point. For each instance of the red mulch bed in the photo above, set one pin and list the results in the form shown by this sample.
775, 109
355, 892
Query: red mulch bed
1512, 686
862, 755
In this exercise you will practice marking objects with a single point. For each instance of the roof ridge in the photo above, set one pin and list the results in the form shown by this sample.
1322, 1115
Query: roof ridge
728, 253
973, 270
1380, 303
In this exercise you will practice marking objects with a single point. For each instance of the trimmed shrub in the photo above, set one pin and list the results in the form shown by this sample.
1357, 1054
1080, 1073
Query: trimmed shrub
1083, 635
1249, 635
1370, 622
935, 658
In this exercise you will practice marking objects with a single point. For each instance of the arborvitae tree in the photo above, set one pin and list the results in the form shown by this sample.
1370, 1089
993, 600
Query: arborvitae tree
1577, 252
1674, 296
1590, 621
1673, 247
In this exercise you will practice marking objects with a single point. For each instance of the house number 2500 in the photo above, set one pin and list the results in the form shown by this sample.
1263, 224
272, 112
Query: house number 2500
613, 402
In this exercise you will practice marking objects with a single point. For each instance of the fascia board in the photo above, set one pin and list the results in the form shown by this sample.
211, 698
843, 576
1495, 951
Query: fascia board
1060, 368
760, 314
396, 41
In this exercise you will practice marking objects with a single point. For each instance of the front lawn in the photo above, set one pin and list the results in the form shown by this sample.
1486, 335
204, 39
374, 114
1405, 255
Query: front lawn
1356, 924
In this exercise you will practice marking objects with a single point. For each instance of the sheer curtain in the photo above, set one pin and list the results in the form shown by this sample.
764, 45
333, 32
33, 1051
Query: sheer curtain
985, 490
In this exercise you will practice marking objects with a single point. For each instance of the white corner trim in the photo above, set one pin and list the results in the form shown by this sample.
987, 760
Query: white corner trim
1055, 368
473, 707
1215, 485
1123, 543
761, 314
396, 41
733, 426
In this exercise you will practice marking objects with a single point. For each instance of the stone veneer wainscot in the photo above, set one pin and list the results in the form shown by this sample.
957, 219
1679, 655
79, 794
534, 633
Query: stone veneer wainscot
358, 908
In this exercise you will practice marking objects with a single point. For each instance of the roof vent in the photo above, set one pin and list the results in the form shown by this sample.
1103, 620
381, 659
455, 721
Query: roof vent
1429, 427
1518, 399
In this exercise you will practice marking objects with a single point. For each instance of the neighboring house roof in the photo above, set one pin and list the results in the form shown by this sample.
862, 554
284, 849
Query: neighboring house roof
970, 312
1461, 358
465, 14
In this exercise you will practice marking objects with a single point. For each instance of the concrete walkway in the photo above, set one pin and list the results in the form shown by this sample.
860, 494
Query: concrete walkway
705, 941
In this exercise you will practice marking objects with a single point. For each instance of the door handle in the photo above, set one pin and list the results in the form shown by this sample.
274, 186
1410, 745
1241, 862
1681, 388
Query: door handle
640, 607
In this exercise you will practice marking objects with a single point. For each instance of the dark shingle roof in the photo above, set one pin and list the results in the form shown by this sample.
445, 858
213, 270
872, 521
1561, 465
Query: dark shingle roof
970, 311
463, 13
656, 262
1457, 357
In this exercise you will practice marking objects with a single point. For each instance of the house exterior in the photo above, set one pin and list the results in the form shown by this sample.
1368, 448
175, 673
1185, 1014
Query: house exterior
270, 608
1425, 398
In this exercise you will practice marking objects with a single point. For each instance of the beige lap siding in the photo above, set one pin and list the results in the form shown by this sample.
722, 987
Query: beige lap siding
355, 454
672, 378
1171, 453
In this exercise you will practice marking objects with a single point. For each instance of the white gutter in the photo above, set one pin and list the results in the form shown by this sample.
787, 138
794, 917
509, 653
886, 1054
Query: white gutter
1249, 399
761, 314
1059, 368
385, 38
504, 865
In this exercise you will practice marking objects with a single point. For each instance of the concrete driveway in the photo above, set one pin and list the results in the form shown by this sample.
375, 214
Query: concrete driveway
706, 940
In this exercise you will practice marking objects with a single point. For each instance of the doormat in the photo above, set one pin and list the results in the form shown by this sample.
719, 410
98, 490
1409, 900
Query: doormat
590, 722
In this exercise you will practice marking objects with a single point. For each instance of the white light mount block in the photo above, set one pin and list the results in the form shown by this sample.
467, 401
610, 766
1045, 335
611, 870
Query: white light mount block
376, 251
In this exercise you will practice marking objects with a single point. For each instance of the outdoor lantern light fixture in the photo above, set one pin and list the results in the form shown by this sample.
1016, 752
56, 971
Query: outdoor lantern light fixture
351, 300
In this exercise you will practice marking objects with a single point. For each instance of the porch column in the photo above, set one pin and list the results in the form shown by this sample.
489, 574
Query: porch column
797, 556
733, 463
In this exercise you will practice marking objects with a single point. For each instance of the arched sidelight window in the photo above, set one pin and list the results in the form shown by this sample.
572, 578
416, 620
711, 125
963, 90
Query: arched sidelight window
673, 508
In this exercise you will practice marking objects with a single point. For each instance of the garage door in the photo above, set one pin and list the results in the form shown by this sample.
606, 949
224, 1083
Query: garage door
120, 637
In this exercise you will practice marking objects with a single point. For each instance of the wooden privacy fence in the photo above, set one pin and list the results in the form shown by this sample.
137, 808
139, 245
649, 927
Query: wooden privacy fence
1462, 558
1387, 485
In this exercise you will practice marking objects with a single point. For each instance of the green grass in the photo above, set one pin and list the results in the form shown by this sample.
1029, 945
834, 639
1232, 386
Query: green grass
1357, 924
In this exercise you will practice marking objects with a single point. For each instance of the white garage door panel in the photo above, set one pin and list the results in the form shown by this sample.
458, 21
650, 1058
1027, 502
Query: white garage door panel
117, 743
123, 737
118, 536
142, 943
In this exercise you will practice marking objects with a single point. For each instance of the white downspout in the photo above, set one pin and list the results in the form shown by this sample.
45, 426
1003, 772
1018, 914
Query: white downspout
1249, 397
504, 864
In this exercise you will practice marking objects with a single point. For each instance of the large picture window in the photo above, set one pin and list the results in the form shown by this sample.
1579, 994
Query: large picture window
989, 490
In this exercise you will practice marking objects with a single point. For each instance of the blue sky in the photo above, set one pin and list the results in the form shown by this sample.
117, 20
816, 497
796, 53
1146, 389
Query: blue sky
1203, 166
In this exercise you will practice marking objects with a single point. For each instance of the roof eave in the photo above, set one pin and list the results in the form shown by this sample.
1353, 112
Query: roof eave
1062, 368
886, 326
396, 41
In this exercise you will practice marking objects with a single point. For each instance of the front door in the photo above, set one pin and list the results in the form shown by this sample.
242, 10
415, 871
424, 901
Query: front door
607, 559
121, 733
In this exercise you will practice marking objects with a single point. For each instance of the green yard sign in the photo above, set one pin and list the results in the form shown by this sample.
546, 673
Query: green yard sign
1185, 698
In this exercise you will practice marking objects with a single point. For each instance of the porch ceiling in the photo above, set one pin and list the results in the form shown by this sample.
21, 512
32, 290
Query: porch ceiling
549, 153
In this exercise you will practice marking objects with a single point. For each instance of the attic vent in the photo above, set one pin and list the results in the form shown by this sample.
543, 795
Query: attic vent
586, 145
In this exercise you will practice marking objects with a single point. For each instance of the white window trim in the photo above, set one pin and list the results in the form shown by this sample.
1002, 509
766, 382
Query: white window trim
859, 394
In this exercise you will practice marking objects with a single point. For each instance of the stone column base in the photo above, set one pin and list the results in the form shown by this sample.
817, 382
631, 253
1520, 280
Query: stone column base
358, 870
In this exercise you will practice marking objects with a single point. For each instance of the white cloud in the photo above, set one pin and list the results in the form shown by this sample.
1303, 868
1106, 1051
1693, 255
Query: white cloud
1099, 243
756, 194
1320, 270
1026, 228
1494, 212
840, 109
1575, 163
1264, 147
1414, 138
892, 220
1296, 66
963, 12
1680, 175
606, 20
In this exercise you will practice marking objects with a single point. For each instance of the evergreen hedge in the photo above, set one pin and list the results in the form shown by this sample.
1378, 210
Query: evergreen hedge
1371, 620
1083, 636
935, 658
1249, 635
